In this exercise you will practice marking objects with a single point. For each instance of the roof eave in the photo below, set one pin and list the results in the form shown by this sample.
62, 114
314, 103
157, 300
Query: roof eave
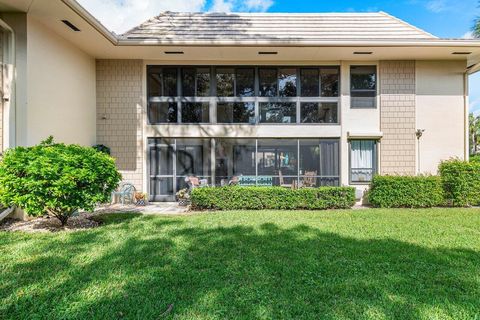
301, 43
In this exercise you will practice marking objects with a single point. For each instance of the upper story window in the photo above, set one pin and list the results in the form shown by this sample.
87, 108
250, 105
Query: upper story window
363, 86
248, 95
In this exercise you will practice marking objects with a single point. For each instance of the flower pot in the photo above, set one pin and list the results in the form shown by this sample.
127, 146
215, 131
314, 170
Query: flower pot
183, 202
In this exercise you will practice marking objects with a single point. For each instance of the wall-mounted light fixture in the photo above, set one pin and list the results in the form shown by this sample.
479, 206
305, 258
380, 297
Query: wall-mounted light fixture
419, 134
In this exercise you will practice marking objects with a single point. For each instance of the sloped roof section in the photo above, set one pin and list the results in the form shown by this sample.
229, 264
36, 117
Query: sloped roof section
210, 27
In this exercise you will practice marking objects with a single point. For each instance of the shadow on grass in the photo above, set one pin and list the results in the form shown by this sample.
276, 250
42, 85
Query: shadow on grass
115, 218
242, 272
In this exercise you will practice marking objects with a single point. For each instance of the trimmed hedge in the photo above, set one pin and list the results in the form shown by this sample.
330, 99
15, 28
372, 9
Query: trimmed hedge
256, 198
406, 192
461, 182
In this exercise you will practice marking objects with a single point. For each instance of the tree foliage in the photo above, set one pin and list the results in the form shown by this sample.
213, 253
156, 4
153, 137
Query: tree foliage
474, 132
56, 178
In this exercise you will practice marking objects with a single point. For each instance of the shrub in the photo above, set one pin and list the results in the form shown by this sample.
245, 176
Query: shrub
56, 178
475, 158
461, 182
406, 192
255, 198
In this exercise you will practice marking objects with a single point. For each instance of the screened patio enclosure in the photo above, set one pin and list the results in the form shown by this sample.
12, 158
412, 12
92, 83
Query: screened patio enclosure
249, 162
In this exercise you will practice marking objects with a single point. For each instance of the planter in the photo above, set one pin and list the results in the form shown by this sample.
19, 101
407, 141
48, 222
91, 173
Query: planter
183, 202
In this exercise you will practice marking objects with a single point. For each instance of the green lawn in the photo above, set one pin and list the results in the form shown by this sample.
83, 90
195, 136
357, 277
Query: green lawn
366, 264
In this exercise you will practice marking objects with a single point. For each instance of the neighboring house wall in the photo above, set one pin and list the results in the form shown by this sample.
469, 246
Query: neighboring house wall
119, 115
440, 111
60, 88
397, 117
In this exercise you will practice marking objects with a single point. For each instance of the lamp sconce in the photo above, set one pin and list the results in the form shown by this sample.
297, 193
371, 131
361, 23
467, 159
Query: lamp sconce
419, 133
104, 117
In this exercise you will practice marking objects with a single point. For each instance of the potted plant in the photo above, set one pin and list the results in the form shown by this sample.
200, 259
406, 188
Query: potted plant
140, 198
183, 197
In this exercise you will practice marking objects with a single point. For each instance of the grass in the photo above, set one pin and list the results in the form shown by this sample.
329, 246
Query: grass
368, 264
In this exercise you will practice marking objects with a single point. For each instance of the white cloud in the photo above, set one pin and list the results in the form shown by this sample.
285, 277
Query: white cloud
122, 15
437, 6
468, 35
222, 6
258, 5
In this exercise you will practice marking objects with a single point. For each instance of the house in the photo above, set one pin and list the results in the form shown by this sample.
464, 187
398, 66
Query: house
260, 98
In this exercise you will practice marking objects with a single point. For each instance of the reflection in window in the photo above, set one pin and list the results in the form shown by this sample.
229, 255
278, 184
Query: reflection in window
225, 82
193, 159
245, 79
268, 82
278, 158
363, 86
329, 81
309, 82
234, 158
287, 82
362, 160
278, 112
236, 112
195, 82
195, 112
162, 112
162, 81
318, 112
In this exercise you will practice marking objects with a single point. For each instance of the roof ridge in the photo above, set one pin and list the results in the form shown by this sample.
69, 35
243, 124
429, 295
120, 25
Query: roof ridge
408, 24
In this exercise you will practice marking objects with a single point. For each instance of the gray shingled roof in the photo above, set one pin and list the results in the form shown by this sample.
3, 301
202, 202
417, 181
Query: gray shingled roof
275, 26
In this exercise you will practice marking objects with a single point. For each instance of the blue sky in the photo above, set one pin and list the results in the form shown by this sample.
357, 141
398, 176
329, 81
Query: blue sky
443, 18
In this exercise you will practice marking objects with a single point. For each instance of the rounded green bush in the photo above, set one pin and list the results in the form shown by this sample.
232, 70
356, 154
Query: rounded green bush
56, 178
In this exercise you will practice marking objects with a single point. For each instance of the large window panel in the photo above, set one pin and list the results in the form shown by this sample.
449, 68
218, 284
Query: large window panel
162, 112
278, 112
234, 158
363, 86
309, 82
196, 82
362, 160
329, 163
268, 82
287, 82
170, 82
245, 82
195, 112
236, 112
278, 158
329, 81
225, 82
193, 159
319, 112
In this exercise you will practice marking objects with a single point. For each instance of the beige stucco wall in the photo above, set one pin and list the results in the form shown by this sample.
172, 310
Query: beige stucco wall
397, 117
440, 111
120, 116
60, 90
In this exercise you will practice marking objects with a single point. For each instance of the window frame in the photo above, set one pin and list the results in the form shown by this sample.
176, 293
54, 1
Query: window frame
375, 161
213, 100
375, 98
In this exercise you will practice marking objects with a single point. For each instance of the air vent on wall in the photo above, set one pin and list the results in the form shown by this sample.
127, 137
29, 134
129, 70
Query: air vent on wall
70, 25
173, 52
267, 52
461, 52
363, 52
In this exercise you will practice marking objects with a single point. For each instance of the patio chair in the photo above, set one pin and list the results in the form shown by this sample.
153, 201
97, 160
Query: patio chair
309, 179
282, 182
192, 182
126, 192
